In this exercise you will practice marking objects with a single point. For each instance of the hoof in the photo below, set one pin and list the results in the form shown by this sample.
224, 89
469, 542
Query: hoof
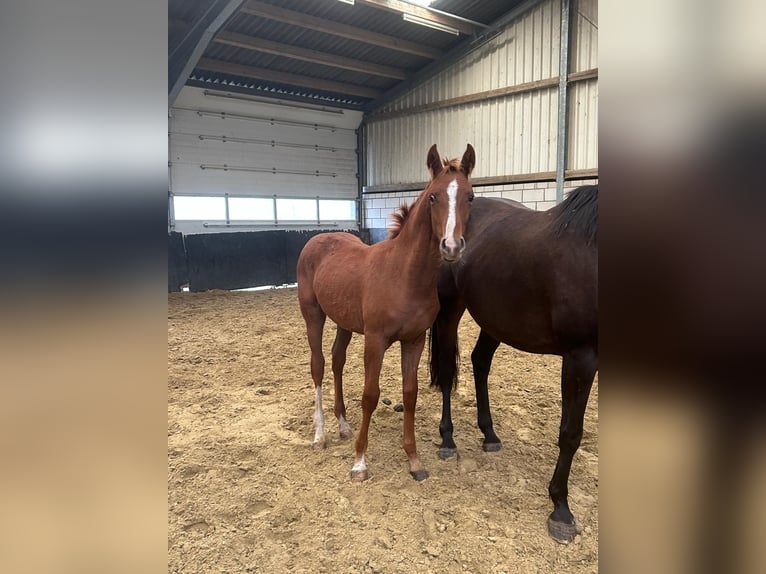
491, 446
346, 434
359, 475
447, 453
419, 475
561, 531
319, 444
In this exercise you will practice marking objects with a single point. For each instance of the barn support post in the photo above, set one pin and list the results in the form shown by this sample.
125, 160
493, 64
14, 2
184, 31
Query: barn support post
361, 172
226, 201
561, 143
171, 212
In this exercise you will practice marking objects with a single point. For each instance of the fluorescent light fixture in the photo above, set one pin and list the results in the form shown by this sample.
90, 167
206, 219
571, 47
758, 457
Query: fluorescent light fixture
430, 24
347, 1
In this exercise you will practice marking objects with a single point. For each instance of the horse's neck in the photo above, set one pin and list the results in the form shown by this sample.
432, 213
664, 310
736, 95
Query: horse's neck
417, 248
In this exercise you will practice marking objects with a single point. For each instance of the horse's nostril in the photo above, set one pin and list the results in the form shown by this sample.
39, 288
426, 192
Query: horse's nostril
462, 243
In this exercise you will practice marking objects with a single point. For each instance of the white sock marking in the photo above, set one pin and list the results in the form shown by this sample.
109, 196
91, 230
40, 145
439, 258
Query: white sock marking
318, 415
449, 231
361, 465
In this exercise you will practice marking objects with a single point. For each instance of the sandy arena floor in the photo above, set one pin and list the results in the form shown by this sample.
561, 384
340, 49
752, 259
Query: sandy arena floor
247, 494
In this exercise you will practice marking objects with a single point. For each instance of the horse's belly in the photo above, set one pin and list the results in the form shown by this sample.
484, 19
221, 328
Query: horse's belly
342, 310
523, 329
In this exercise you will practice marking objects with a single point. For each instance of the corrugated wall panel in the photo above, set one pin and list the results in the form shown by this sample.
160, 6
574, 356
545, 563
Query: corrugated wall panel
514, 134
584, 55
511, 137
582, 147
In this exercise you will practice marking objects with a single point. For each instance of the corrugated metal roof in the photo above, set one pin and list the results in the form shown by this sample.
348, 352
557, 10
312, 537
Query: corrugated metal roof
353, 88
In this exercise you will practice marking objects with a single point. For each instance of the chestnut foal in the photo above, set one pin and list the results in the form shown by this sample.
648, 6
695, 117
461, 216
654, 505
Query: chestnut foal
386, 291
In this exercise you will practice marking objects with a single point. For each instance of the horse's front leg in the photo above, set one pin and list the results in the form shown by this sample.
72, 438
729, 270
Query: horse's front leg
339, 346
374, 349
411, 352
578, 369
481, 359
444, 363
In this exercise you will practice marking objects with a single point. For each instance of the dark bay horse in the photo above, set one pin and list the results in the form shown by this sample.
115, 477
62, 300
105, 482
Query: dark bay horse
386, 291
528, 279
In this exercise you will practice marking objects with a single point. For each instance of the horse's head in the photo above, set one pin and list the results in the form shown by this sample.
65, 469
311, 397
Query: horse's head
450, 194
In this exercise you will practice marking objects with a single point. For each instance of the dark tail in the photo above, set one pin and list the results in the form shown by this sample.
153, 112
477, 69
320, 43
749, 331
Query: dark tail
440, 359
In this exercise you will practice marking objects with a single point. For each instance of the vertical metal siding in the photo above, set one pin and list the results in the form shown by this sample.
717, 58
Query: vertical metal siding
583, 125
583, 96
514, 134
584, 54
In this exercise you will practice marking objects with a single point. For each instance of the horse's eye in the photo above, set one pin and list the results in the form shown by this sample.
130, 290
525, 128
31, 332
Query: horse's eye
470, 198
432, 198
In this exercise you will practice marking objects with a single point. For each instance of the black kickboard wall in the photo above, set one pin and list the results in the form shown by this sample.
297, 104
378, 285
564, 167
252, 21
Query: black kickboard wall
235, 260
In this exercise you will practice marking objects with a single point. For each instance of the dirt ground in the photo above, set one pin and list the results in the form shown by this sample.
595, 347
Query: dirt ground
247, 494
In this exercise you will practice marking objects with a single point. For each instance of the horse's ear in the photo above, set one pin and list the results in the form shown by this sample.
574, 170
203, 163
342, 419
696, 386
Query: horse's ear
468, 161
434, 162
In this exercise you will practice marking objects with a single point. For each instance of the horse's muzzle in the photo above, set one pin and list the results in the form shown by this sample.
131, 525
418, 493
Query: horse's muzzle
452, 252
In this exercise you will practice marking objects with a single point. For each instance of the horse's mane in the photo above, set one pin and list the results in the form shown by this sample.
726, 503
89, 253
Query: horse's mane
578, 213
401, 215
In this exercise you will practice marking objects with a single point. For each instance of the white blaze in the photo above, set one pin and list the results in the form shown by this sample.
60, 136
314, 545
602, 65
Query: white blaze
449, 230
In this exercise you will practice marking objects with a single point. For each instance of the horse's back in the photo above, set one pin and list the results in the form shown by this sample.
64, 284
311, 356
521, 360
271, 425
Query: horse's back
323, 247
487, 212
330, 240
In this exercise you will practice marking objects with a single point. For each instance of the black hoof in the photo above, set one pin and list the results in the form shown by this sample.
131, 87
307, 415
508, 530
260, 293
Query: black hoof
491, 446
562, 532
419, 475
447, 453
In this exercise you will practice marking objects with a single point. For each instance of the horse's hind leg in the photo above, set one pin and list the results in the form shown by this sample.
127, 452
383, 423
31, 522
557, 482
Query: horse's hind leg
315, 319
411, 352
481, 359
577, 371
342, 339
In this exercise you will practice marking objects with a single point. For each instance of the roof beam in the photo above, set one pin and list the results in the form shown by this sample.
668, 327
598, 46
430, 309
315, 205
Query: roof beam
272, 12
400, 7
184, 57
285, 78
313, 56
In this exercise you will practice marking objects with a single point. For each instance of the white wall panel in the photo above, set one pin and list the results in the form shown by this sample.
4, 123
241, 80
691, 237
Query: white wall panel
198, 114
584, 34
582, 147
193, 180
